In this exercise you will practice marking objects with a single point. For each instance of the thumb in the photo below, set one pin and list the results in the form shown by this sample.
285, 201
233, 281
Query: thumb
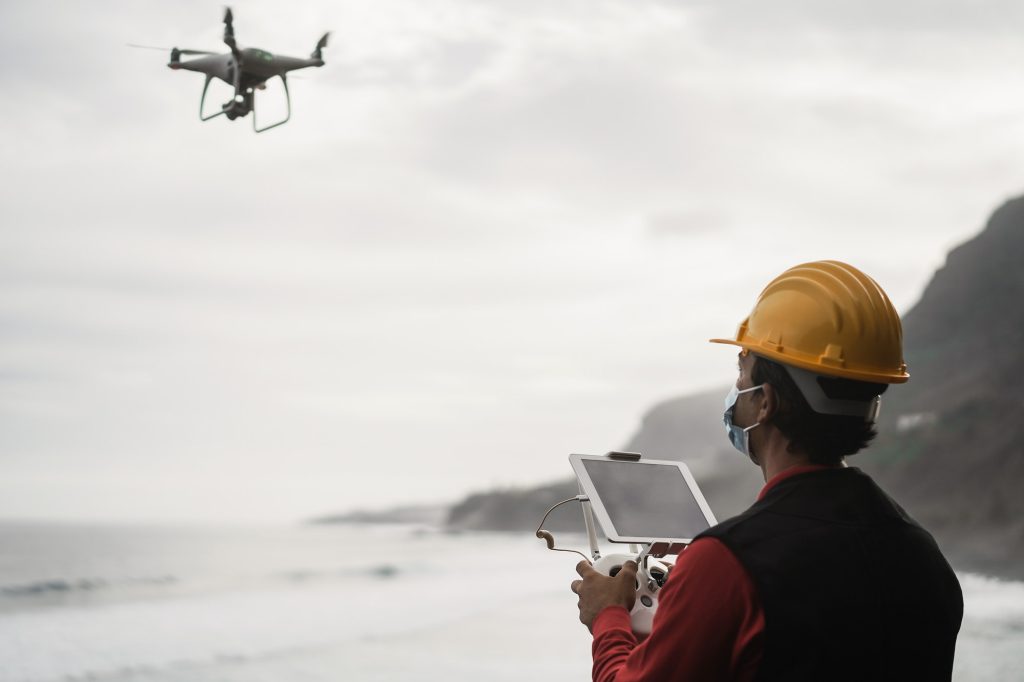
585, 568
628, 571
627, 584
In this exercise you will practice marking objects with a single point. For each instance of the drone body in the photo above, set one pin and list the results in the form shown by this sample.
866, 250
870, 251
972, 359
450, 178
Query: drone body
246, 70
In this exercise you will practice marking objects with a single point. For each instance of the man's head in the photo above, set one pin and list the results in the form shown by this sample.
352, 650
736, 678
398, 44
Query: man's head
823, 438
821, 345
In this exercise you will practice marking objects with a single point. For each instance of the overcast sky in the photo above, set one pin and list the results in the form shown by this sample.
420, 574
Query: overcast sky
493, 233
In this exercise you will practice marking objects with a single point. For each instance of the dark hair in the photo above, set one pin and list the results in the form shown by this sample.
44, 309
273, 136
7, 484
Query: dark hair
824, 438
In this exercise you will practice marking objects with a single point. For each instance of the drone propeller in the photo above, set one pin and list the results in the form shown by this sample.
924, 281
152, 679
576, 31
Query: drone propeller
320, 46
229, 31
169, 49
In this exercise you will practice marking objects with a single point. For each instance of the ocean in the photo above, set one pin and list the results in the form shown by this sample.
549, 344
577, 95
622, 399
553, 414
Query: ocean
318, 603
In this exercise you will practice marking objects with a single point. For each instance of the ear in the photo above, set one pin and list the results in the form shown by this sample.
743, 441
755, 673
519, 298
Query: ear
769, 404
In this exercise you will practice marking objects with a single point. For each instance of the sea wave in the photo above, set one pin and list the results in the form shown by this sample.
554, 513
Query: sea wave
68, 586
380, 571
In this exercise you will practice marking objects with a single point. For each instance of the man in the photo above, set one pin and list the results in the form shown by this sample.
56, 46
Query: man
825, 577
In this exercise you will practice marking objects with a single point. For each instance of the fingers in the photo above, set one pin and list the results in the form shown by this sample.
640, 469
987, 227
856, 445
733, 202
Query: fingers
584, 569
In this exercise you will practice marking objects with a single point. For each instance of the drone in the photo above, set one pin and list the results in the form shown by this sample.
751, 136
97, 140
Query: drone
246, 70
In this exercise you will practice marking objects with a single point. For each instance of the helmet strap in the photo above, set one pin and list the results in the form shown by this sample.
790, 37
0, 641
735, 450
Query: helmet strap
819, 401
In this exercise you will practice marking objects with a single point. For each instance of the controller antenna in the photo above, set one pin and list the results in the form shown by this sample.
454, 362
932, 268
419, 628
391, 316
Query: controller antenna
547, 537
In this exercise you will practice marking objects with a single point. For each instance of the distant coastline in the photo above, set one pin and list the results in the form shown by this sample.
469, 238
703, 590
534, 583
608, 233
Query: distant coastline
429, 515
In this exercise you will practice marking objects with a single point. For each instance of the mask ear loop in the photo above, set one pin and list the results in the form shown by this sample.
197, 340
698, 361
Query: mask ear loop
746, 442
547, 537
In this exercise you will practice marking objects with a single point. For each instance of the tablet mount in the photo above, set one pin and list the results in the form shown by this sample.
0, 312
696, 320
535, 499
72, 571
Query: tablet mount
651, 573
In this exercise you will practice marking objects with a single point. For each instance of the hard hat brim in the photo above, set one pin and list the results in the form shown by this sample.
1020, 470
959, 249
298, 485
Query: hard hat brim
880, 377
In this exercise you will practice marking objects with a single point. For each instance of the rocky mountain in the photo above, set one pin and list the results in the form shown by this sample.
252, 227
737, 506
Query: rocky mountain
952, 443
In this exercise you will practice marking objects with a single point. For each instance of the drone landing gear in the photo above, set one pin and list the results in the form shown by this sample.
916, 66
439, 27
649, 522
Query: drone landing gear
242, 104
202, 103
288, 114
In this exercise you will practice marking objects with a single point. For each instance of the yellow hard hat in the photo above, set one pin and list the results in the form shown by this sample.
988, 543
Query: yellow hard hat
830, 318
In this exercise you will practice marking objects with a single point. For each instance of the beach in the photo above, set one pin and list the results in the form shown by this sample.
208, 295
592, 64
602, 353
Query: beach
318, 603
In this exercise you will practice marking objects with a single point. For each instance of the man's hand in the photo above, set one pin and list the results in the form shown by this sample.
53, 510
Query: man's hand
597, 591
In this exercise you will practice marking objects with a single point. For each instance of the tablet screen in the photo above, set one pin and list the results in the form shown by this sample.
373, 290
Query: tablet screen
646, 500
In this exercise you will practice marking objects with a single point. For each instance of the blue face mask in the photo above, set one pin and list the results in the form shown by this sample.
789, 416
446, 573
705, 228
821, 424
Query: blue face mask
738, 436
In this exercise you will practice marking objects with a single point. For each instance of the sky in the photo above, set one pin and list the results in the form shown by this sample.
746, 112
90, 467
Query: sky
492, 234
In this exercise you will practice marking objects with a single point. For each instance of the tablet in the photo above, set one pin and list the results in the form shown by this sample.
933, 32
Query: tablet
644, 501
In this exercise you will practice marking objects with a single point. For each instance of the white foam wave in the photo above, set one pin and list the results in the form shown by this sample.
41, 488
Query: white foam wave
124, 640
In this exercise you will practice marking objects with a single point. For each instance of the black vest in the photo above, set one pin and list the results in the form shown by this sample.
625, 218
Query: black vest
852, 588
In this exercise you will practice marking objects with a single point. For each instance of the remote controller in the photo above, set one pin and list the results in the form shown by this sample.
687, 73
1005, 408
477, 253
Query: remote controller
649, 580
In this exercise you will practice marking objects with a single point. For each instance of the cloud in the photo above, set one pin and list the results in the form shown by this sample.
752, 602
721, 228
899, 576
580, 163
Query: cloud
491, 232
682, 223
954, 18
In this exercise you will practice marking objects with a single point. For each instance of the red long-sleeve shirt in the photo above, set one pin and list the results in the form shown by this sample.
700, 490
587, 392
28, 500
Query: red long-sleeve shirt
709, 624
